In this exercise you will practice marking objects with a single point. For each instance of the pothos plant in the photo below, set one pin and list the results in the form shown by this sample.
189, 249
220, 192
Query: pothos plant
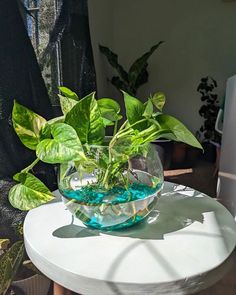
83, 125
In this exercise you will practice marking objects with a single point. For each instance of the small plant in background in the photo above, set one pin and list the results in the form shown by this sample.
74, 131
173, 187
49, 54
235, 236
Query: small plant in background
13, 266
208, 110
10, 261
136, 76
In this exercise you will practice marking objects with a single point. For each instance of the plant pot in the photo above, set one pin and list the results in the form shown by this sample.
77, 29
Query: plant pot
35, 285
120, 191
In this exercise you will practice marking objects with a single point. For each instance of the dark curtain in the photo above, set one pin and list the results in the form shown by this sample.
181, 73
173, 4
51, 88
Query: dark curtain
20, 79
78, 69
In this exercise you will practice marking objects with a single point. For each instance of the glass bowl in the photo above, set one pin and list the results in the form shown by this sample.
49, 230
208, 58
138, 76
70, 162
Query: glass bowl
114, 189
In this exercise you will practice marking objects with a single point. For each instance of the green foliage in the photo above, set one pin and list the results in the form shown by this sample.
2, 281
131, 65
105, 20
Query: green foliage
134, 111
136, 76
68, 93
29, 193
110, 111
68, 100
73, 136
158, 99
27, 125
148, 109
9, 264
178, 131
63, 147
85, 117
66, 104
3, 244
209, 110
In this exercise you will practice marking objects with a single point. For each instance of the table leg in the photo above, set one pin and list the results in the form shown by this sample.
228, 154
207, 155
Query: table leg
59, 290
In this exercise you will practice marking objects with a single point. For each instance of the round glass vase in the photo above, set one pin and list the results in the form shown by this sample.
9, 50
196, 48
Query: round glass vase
116, 188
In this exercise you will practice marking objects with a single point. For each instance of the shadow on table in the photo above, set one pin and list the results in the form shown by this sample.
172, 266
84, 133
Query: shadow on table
173, 212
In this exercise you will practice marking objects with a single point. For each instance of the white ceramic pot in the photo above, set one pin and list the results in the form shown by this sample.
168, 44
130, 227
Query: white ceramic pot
35, 285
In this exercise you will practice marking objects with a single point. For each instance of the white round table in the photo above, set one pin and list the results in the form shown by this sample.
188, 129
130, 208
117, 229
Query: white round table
181, 248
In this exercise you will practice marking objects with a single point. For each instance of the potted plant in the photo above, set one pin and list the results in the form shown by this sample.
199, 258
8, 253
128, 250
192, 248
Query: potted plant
136, 76
207, 134
18, 275
107, 185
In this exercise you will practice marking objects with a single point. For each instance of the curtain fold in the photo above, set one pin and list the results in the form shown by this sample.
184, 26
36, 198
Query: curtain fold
78, 70
20, 79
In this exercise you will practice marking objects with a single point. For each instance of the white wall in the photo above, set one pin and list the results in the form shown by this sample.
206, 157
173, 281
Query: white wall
102, 32
200, 40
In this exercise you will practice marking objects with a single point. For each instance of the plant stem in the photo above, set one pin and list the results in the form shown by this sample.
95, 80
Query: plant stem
123, 129
115, 128
123, 125
132, 125
30, 166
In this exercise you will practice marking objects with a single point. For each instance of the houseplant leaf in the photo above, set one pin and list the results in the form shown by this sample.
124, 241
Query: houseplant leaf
158, 99
60, 119
63, 147
4, 243
121, 85
140, 65
66, 104
68, 93
178, 129
86, 119
148, 109
134, 110
27, 125
29, 193
109, 109
9, 264
113, 60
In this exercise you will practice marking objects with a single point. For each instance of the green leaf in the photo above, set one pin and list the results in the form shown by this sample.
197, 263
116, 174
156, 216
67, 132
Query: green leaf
113, 60
65, 146
139, 66
27, 125
45, 132
66, 104
107, 122
4, 244
178, 129
109, 109
134, 110
86, 119
148, 109
29, 193
109, 104
68, 93
158, 99
9, 264
60, 119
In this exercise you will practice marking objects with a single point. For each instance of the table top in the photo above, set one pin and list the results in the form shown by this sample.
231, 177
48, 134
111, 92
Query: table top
179, 248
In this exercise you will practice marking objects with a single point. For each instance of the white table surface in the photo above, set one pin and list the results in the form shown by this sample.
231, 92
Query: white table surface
180, 250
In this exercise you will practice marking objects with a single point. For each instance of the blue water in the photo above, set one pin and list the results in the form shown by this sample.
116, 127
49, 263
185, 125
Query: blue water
130, 222
95, 195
